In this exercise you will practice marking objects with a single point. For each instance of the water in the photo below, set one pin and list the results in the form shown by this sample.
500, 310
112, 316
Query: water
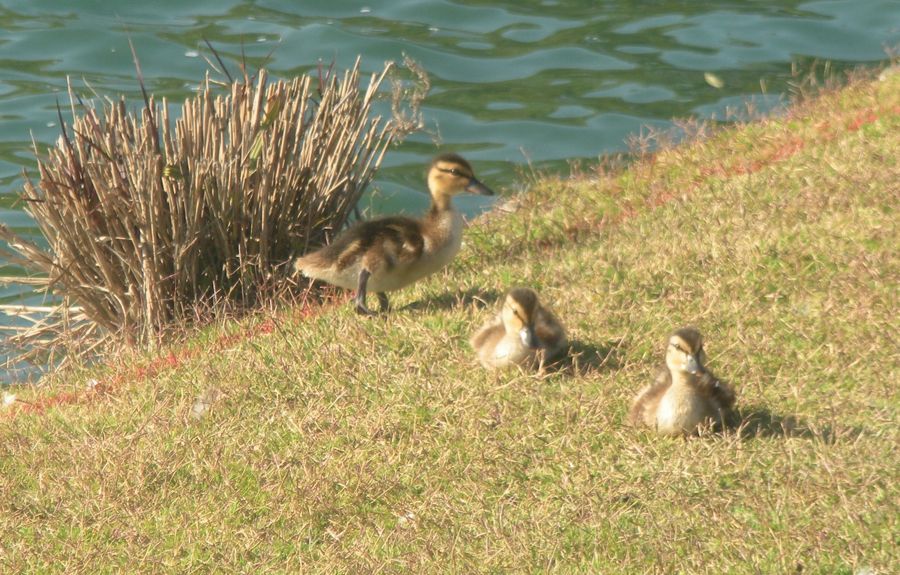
515, 84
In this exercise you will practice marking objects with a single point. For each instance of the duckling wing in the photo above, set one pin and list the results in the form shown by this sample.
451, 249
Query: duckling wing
400, 239
718, 390
550, 332
643, 409
380, 243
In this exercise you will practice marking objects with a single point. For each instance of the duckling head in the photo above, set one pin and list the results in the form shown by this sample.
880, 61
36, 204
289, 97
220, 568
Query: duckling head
685, 351
450, 174
518, 315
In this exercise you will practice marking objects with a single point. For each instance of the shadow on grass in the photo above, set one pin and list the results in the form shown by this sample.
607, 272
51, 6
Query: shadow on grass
754, 422
477, 297
584, 358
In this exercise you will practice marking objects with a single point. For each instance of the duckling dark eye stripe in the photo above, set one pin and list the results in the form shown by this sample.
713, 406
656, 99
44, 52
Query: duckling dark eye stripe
516, 313
453, 171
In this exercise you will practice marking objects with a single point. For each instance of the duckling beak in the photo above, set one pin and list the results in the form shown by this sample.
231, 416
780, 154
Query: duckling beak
476, 187
528, 337
692, 366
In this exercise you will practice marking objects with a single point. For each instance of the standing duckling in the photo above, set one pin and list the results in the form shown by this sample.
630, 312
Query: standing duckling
387, 254
525, 333
684, 394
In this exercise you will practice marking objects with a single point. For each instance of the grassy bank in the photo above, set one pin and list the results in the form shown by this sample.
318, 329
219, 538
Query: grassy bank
317, 441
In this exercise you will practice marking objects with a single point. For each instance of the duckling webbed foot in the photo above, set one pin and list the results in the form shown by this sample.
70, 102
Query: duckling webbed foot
361, 294
363, 310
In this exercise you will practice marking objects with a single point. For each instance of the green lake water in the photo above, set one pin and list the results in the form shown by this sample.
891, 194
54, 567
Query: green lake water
515, 85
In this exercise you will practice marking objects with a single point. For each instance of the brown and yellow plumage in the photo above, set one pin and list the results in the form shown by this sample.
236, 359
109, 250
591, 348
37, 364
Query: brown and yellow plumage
684, 394
389, 253
524, 333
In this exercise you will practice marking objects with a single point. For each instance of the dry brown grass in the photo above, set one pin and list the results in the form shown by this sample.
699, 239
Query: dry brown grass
331, 444
149, 217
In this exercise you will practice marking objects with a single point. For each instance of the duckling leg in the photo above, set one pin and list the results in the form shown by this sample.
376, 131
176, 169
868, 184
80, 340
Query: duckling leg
361, 293
383, 302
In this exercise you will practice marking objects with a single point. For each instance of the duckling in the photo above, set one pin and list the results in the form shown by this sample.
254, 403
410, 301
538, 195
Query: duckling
685, 394
389, 253
525, 333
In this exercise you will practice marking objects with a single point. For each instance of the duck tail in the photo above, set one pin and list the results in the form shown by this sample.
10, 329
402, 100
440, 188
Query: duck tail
306, 265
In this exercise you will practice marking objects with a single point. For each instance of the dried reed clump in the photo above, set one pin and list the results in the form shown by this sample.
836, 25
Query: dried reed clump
145, 221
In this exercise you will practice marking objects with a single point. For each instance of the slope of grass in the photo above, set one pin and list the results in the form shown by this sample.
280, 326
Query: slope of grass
326, 443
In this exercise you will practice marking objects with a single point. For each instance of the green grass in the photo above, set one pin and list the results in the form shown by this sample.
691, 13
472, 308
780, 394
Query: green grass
336, 444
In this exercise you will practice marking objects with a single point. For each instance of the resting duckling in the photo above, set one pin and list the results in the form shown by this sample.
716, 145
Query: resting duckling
684, 394
525, 333
387, 254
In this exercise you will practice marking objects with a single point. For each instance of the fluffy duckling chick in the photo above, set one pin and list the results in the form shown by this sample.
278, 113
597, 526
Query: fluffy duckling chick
525, 333
685, 394
389, 253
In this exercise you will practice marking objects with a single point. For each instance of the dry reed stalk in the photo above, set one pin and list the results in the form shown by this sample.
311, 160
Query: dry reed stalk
147, 217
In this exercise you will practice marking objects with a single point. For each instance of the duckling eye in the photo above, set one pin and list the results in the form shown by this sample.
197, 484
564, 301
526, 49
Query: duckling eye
452, 171
517, 314
679, 348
